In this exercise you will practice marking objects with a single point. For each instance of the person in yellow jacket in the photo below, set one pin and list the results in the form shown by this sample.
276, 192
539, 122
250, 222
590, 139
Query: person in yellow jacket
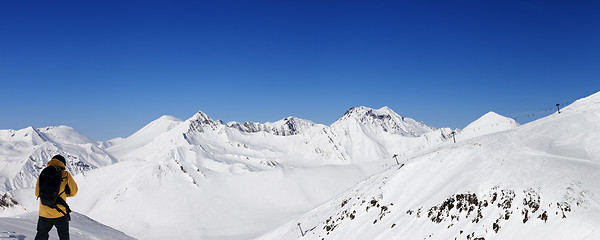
50, 217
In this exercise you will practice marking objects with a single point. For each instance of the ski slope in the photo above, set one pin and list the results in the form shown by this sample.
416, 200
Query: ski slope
537, 181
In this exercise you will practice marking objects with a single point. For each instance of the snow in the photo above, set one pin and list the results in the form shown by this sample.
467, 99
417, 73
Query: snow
144, 135
383, 119
489, 123
237, 206
203, 179
81, 228
23, 154
539, 169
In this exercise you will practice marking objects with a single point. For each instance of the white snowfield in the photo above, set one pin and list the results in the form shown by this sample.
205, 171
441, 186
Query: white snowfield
80, 228
489, 123
205, 179
538, 181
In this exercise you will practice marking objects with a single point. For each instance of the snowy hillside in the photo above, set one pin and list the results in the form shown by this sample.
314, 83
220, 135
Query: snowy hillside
204, 179
384, 119
150, 197
81, 228
362, 134
244, 179
23, 154
241, 179
369, 134
489, 123
537, 181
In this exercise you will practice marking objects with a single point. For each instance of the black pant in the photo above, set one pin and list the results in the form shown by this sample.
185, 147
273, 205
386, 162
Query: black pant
45, 224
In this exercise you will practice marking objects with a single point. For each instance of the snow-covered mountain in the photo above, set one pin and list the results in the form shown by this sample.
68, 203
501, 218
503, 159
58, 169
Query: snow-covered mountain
261, 164
367, 134
384, 119
24, 153
489, 123
285, 127
256, 169
362, 134
201, 178
537, 181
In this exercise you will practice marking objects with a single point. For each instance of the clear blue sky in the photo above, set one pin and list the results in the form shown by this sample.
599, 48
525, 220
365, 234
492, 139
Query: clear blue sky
107, 68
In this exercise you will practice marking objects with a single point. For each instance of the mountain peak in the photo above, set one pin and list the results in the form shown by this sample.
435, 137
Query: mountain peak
293, 119
492, 114
291, 125
385, 119
490, 122
284, 127
155, 128
491, 118
168, 118
361, 111
201, 117
200, 120
34, 134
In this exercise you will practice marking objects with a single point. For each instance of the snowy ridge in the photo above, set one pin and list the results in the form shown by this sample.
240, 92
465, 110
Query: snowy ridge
200, 121
538, 181
211, 145
81, 228
368, 134
489, 123
24, 154
201, 178
143, 136
196, 154
385, 119
285, 127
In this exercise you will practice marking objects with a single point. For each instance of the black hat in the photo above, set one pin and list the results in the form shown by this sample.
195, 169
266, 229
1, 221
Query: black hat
60, 158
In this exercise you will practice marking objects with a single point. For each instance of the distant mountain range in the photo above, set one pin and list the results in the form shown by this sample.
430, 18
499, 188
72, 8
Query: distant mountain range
361, 134
536, 181
372, 174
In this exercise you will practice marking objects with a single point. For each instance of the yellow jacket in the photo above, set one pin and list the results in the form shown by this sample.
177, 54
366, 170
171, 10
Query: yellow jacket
49, 212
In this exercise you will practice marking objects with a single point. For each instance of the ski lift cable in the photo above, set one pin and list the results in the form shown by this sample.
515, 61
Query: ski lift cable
538, 113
